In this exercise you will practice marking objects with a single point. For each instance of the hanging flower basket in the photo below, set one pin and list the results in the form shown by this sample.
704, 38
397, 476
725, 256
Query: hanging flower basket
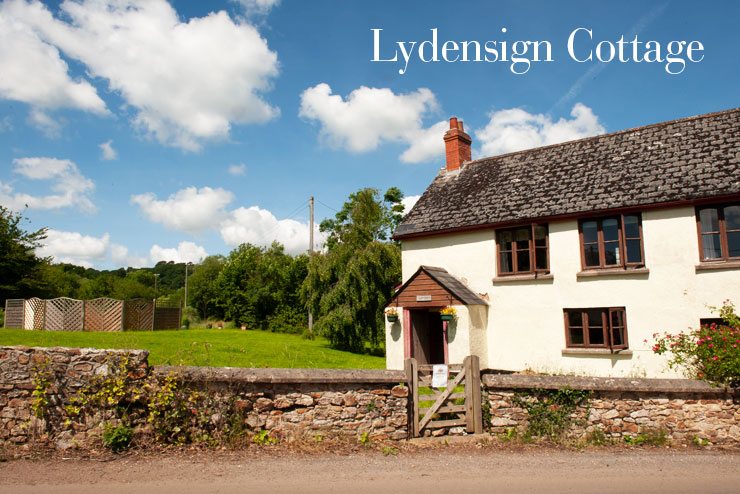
391, 314
448, 313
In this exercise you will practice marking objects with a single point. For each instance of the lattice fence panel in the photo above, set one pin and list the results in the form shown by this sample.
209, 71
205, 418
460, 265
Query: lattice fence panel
103, 314
33, 314
138, 314
64, 314
167, 318
14, 309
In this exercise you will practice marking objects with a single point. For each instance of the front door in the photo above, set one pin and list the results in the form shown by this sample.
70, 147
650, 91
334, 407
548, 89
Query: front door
427, 337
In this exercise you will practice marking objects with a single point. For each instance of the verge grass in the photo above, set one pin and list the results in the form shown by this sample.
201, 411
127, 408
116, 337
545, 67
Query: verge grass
206, 347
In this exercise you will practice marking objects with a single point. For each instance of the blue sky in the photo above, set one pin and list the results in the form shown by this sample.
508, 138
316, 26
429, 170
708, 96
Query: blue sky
139, 131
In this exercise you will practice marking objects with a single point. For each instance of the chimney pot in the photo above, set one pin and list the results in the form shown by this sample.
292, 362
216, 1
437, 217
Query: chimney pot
457, 145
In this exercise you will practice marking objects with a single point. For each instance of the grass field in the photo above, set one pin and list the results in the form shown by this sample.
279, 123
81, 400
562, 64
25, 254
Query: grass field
207, 347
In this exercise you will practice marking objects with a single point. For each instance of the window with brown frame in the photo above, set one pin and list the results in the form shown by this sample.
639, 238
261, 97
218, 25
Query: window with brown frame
612, 242
523, 250
719, 232
604, 327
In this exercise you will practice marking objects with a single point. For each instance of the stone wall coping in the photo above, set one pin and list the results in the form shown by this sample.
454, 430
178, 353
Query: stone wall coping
74, 351
262, 375
621, 384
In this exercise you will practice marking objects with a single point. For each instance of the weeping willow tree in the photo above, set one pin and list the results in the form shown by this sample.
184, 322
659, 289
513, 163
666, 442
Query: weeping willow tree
348, 285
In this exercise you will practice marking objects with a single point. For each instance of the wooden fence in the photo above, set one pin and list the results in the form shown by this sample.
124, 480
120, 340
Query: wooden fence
100, 314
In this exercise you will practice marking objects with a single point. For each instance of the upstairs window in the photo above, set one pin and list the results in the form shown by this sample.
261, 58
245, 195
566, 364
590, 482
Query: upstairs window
522, 250
719, 232
612, 242
596, 328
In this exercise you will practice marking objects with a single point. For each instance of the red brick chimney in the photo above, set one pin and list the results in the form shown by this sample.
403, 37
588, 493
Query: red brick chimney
457, 145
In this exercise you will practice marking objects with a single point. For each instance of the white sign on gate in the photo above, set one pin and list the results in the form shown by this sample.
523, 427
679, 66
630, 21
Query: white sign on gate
440, 375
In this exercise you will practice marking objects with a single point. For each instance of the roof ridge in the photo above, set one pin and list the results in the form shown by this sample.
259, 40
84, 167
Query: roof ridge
602, 136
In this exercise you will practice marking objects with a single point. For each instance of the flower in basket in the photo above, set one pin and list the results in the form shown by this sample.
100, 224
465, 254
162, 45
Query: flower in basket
391, 311
448, 313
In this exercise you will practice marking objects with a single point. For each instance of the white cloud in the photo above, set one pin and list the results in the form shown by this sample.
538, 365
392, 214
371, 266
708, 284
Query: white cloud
33, 71
86, 250
237, 170
195, 210
188, 81
45, 123
118, 254
189, 210
515, 129
6, 124
70, 187
185, 252
260, 227
107, 151
257, 6
371, 116
426, 144
408, 203
74, 248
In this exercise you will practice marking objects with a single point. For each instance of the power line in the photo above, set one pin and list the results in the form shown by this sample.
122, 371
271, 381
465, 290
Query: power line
326, 205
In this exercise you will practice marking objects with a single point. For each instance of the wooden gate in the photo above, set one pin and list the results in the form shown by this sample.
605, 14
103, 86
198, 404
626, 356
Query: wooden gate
457, 405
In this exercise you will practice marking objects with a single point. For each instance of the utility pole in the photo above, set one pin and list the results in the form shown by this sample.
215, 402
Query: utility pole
186, 284
310, 251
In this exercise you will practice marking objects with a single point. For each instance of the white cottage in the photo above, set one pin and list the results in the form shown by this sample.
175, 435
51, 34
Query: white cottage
566, 258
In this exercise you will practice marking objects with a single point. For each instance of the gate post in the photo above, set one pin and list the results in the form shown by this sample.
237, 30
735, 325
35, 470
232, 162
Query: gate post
474, 412
412, 377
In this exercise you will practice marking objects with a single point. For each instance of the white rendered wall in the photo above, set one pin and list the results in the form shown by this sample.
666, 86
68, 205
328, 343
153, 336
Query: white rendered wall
524, 322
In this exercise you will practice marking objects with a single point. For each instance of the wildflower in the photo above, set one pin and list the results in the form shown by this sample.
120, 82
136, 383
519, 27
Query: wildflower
714, 358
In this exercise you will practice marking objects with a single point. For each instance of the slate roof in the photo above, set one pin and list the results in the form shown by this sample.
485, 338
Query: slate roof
448, 282
680, 160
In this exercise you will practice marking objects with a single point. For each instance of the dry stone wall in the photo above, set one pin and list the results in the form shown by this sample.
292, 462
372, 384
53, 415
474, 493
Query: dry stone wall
288, 403
683, 410
308, 402
58, 374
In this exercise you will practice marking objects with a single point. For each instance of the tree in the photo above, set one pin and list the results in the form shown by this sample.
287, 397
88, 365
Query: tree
347, 288
20, 268
202, 285
257, 288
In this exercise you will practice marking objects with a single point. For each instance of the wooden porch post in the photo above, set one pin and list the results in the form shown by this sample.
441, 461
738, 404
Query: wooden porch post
447, 351
406, 333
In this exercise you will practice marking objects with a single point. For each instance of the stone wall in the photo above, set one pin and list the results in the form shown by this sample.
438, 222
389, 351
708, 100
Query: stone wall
288, 403
62, 372
308, 402
683, 410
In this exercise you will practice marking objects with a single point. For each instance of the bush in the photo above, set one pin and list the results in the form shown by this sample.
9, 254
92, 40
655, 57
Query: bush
117, 438
192, 314
710, 353
2, 318
185, 322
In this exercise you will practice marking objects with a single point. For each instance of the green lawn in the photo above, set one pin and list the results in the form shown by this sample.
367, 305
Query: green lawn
207, 347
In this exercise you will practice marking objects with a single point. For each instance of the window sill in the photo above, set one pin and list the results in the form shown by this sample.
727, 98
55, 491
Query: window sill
709, 265
523, 277
596, 351
612, 272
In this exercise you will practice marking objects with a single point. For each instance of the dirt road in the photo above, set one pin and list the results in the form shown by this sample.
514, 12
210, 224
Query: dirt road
457, 471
